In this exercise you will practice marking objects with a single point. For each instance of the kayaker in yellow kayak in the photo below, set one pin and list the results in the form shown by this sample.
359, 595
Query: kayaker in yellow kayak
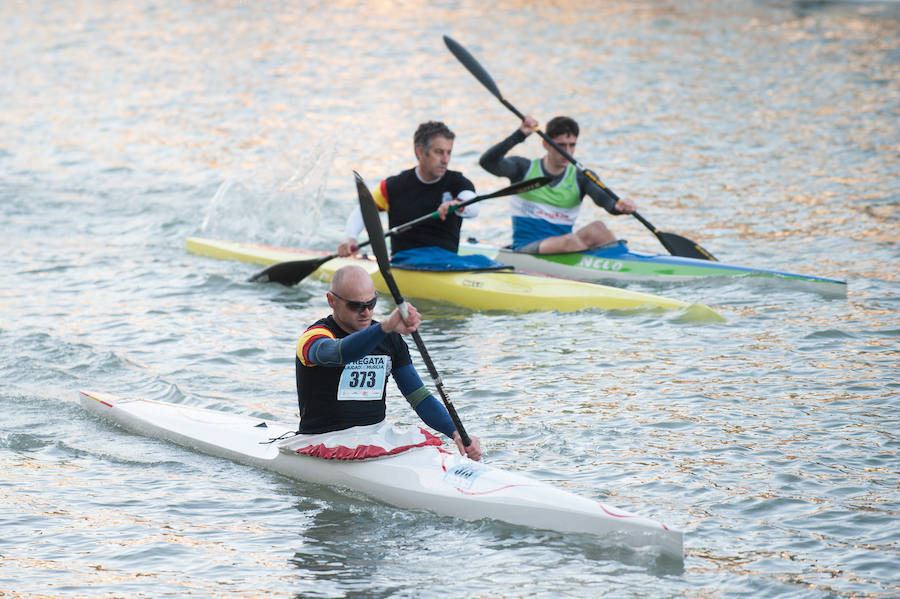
543, 220
427, 187
343, 362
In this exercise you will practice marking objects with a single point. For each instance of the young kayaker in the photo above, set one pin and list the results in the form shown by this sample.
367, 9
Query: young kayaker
543, 220
427, 187
343, 362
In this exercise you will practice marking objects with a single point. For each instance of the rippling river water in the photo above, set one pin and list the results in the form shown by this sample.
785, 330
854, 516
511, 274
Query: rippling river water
767, 131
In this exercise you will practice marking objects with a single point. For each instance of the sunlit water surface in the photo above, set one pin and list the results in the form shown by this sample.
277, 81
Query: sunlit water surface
767, 131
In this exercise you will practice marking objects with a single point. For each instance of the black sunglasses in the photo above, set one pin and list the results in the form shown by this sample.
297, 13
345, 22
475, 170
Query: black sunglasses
358, 306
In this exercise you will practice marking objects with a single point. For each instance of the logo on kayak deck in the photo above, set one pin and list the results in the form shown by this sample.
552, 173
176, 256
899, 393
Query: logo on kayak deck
600, 263
463, 476
471, 283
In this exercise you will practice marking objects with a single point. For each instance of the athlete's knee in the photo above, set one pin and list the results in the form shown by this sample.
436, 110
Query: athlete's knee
596, 234
570, 242
598, 226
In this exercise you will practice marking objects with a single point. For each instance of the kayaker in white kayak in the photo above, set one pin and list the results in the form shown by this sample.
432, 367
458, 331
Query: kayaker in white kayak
427, 187
543, 220
343, 362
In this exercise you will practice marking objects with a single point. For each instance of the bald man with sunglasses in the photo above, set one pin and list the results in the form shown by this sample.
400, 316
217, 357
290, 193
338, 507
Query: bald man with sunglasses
343, 362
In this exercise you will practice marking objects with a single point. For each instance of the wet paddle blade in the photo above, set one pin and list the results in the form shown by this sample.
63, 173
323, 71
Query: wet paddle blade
682, 246
289, 273
676, 244
376, 235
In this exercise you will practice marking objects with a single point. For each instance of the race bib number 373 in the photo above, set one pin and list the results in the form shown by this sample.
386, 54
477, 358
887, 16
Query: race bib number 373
364, 379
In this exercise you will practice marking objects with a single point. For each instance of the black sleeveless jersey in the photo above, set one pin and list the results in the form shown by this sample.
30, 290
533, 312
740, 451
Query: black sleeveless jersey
337, 397
408, 198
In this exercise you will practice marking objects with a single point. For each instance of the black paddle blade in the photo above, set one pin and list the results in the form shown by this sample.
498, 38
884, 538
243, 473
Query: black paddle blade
379, 248
372, 221
473, 66
676, 244
289, 273
376, 235
684, 247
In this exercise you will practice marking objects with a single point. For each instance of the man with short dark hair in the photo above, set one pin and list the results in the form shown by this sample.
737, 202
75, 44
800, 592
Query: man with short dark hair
427, 187
544, 219
344, 360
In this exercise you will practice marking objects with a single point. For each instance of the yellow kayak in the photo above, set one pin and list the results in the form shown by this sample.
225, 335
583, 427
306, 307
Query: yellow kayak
476, 290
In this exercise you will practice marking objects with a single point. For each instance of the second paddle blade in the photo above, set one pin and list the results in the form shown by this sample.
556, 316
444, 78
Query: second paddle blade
289, 273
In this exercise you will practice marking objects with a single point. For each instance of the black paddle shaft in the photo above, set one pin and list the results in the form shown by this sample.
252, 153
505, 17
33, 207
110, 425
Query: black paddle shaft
292, 272
675, 244
379, 248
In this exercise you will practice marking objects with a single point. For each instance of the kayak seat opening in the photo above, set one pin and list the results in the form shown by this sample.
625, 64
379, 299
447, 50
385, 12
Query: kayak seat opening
438, 259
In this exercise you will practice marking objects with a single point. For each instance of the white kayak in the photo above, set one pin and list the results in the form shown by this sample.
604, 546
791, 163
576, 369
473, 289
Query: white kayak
419, 476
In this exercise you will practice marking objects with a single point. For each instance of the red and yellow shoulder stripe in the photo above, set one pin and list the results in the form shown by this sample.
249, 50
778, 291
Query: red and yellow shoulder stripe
307, 338
380, 196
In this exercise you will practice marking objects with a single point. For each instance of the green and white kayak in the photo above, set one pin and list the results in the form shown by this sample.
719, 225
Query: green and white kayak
617, 264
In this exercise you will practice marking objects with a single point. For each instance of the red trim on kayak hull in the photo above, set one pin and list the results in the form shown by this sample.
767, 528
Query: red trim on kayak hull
363, 452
